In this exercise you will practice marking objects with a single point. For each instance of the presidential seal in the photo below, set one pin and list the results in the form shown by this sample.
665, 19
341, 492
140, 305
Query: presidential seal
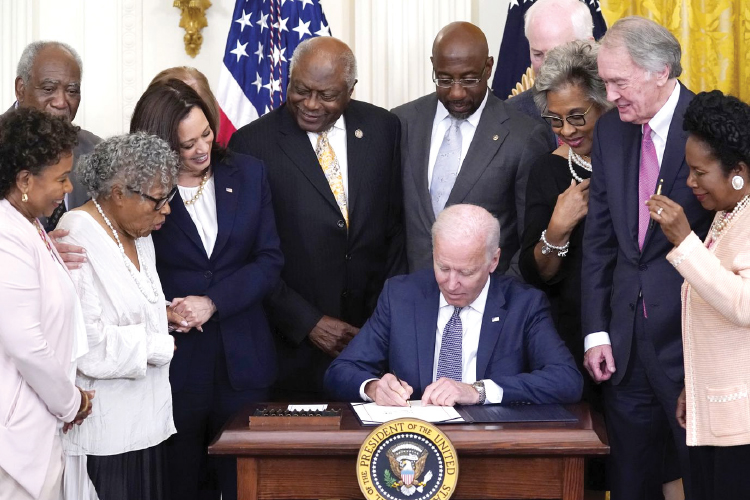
407, 459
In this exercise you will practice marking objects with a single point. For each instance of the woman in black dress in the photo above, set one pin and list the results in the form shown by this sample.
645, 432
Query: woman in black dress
571, 97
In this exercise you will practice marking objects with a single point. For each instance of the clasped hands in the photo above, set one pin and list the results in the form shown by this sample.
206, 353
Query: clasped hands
389, 391
185, 313
331, 335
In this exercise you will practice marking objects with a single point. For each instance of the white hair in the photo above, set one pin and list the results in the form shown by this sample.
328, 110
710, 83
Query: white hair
580, 16
466, 223
346, 57
650, 45
28, 56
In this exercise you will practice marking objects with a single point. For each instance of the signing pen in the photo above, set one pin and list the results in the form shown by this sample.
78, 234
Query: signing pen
399, 381
658, 192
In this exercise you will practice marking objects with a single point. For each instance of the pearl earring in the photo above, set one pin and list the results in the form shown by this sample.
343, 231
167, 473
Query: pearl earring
738, 182
24, 197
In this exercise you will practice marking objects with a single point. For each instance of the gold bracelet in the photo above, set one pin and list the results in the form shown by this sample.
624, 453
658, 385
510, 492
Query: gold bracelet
85, 396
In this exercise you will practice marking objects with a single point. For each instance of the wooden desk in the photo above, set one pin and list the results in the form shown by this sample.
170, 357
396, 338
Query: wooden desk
498, 461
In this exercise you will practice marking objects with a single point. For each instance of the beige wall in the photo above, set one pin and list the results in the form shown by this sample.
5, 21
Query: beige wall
124, 43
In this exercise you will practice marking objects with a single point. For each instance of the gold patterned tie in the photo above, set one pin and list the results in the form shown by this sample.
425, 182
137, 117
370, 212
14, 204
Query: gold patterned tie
332, 171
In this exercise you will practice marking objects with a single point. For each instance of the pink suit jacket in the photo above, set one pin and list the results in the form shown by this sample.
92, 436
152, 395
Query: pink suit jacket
36, 342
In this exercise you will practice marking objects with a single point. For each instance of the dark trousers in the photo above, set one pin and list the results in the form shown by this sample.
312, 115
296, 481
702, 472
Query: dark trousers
200, 410
640, 417
720, 472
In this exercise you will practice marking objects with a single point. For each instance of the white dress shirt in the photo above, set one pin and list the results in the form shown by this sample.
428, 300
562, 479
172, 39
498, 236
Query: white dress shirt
659, 132
129, 347
440, 125
337, 140
203, 212
471, 325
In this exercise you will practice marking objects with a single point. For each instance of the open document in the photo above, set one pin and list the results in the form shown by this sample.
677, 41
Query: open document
372, 414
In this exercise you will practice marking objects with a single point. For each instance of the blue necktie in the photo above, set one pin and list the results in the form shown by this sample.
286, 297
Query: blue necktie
446, 166
450, 358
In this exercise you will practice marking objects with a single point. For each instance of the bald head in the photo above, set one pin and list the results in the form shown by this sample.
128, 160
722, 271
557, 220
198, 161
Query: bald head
460, 38
460, 54
322, 76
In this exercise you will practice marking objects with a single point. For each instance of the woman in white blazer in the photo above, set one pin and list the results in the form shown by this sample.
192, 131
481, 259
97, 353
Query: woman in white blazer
40, 313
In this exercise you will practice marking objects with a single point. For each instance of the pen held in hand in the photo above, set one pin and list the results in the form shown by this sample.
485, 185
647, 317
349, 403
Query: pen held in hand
399, 382
658, 192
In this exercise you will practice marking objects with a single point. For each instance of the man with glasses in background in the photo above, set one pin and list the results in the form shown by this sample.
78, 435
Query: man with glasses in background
462, 144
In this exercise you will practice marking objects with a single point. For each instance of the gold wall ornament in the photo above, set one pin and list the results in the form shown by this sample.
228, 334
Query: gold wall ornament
193, 20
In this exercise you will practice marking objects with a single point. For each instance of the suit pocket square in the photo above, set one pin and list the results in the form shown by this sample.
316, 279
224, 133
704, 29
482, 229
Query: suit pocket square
496, 319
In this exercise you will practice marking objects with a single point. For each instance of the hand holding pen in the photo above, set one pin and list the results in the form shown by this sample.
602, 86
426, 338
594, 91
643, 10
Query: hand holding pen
389, 390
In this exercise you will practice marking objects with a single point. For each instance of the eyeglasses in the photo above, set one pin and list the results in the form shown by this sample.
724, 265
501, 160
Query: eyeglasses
159, 202
577, 120
446, 83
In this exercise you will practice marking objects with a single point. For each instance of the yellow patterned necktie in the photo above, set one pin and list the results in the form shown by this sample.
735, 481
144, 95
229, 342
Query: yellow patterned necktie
332, 171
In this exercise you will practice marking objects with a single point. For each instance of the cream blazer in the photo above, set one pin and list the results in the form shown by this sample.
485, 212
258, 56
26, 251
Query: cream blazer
716, 334
36, 342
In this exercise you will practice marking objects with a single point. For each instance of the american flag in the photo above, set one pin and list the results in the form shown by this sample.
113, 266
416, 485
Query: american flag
260, 44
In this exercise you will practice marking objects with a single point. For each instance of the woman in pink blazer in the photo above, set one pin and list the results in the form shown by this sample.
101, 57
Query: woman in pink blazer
714, 407
38, 306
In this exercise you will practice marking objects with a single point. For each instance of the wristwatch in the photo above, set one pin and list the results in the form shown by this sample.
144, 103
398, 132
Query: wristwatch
479, 387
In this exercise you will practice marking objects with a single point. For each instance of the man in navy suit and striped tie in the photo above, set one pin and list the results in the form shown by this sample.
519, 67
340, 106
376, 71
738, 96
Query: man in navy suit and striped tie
457, 333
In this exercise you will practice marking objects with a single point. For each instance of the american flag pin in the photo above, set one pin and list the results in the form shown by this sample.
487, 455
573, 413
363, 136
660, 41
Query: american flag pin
229, 190
495, 137
358, 133
495, 319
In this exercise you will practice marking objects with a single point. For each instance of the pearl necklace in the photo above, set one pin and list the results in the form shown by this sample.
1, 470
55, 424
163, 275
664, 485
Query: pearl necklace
129, 265
200, 190
578, 159
722, 223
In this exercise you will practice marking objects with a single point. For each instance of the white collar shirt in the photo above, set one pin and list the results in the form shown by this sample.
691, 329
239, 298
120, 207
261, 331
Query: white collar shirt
337, 140
661, 121
440, 125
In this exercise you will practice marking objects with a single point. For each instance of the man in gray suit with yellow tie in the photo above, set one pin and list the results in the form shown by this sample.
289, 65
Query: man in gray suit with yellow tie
462, 144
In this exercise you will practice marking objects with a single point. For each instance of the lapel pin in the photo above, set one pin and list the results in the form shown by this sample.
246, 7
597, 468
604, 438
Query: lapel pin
229, 190
495, 137
496, 319
358, 133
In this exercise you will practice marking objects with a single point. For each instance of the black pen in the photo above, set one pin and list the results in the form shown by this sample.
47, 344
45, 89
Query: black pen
658, 192
399, 382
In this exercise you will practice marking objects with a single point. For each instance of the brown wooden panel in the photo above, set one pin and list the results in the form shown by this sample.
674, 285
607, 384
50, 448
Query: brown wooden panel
319, 477
573, 478
247, 478
517, 477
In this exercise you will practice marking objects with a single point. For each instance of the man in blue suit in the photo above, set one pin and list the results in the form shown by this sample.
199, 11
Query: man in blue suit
630, 293
458, 334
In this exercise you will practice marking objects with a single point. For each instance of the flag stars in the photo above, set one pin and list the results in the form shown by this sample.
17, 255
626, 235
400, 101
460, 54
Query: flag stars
239, 51
305, 3
258, 82
302, 29
259, 52
324, 30
281, 25
273, 86
244, 20
278, 55
262, 23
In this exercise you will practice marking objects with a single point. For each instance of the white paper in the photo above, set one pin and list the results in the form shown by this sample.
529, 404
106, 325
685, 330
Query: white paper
370, 413
307, 407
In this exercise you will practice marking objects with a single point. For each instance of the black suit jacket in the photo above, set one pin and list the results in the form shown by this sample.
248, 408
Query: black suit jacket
328, 269
524, 102
243, 267
615, 271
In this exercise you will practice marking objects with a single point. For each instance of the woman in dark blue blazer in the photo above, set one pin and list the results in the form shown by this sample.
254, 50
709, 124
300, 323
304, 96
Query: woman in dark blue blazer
217, 256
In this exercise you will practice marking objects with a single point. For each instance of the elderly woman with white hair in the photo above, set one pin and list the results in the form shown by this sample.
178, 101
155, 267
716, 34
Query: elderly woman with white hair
131, 179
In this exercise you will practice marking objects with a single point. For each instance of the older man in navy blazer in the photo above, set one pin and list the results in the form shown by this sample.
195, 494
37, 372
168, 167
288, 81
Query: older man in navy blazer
458, 334
630, 293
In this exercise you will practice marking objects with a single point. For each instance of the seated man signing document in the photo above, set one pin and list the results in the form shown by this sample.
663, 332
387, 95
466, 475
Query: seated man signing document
458, 334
